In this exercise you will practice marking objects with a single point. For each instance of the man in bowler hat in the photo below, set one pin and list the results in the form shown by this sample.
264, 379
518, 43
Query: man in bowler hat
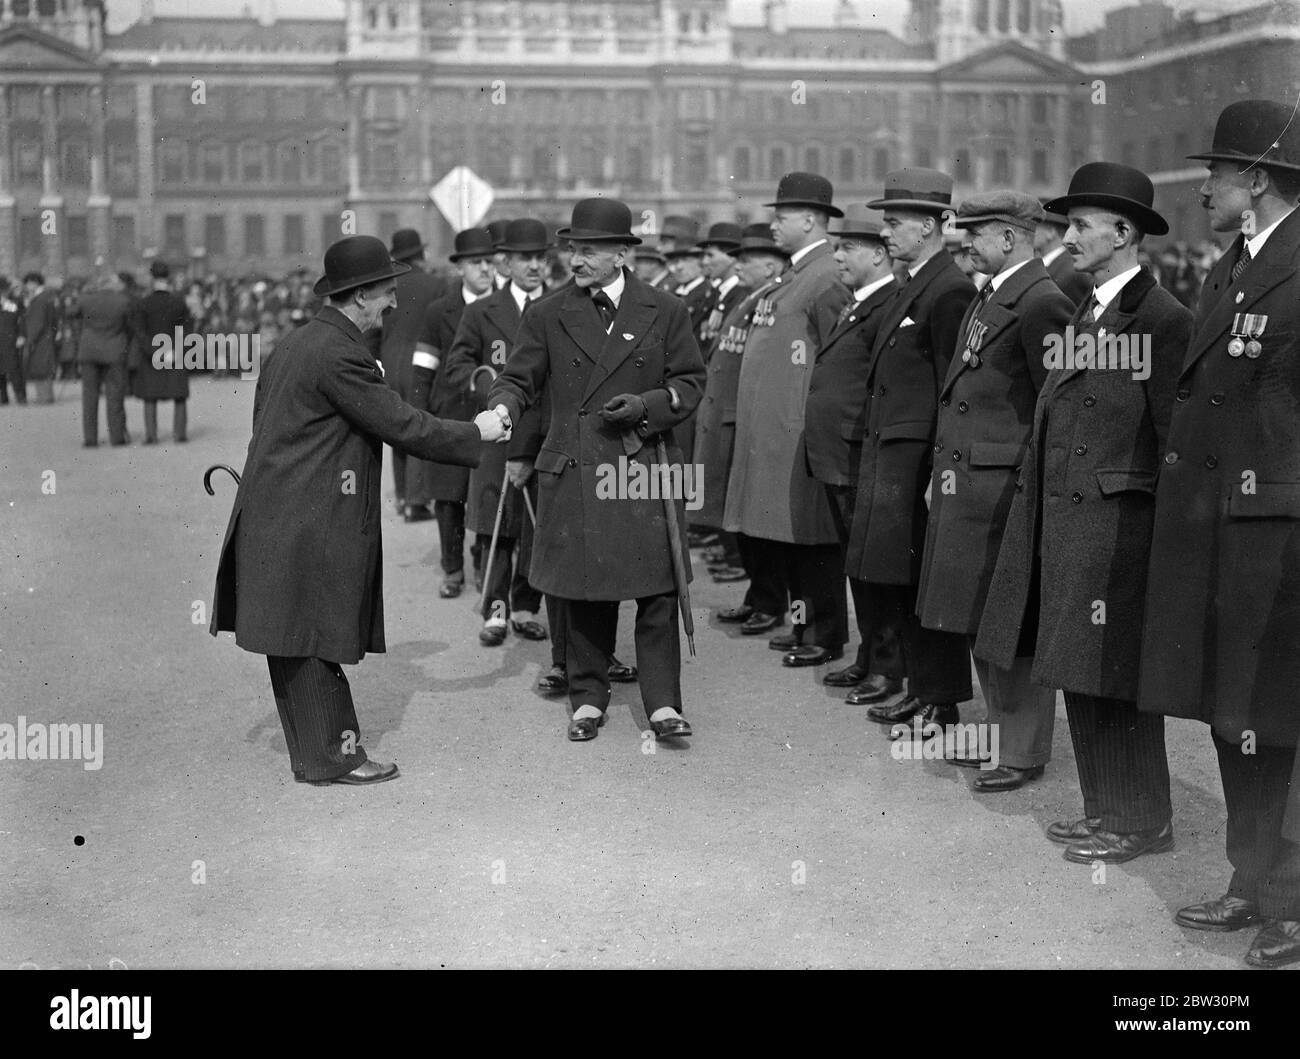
300, 578
1222, 635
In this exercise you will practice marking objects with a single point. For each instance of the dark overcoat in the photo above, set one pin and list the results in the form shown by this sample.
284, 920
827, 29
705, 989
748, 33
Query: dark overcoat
719, 309
590, 545
1085, 500
160, 313
42, 324
301, 569
986, 415
108, 328
836, 415
908, 364
1222, 636
401, 326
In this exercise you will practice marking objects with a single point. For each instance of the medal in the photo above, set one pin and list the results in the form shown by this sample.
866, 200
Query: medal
1247, 328
1236, 347
972, 359
1253, 349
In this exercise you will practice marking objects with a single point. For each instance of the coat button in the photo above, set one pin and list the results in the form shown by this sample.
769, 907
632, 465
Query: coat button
937, 448
1211, 462
581, 412
1081, 450
945, 402
1182, 395
962, 406
956, 454
1077, 498
893, 341
882, 391
572, 462
1171, 458
640, 362
1089, 401
577, 363
1216, 399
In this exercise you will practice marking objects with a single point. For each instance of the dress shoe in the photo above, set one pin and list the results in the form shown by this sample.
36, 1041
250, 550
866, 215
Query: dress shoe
1068, 832
451, 589
727, 574
554, 681
701, 538
492, 635
902, 710
581, 731
939, 714
1111, 847
418, 513
974, 761
366, 772
716, 555
874, 689
846, 677
811, 655
785, 641
758, 623
1221, 915
529, 630
735, 615
672, 728
1006, 778
618, 673
1276, 945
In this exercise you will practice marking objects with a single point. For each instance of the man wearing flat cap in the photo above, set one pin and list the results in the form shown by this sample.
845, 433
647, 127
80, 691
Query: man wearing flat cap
909, 361
1222, 635
1069, 586
300, 578
620, 369
771, 497
986, 414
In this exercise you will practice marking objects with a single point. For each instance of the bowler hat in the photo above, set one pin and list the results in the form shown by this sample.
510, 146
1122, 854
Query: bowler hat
690, 250
472, 242
525, 236
406, 245
805, 189
1256, 131
724, 235
600, 221
680, 229
497, 229
758, 237
1049, 216
929, 190
1010, 207
1118, 188
857, 222
356, 261
158, 269
649, 253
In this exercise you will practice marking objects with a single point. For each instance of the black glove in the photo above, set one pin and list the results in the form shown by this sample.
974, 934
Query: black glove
625, 410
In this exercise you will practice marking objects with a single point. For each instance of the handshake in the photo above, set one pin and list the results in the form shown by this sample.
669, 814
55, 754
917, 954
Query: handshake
494, 424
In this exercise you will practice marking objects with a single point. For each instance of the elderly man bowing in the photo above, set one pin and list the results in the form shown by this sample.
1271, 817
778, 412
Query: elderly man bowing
301, 572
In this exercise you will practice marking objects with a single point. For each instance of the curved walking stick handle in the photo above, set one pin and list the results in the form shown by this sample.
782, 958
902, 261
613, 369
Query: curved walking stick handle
207, 476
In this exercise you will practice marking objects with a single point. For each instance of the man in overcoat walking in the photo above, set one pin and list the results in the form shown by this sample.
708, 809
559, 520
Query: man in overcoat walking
301, 571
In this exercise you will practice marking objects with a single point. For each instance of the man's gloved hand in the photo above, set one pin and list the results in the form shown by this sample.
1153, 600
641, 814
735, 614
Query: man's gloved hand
519, 471
625, 410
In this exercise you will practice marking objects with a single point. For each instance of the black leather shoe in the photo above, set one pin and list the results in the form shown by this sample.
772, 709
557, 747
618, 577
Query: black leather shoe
932, 713
618, 673
1068, 832
902, 710
758, 623
1221, 915
975, 761
366, 772
874, 689
1276, 945
727, 574
784, 641
451, 589
419, 513
492, 635
1110, 847
735, 615
581, 731
811, 655
846, 677
1006, 778
672, 728
554, 681
529, 630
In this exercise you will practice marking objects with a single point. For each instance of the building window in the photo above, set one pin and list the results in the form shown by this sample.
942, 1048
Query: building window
27, 162
1038, 109
290, 163
812, 159
29, 236
252, 162
982, 15
74, 102
384, 163
212, 162
26, 103
75, 163
695, 164
388, 222
637, 173
331, 164
879, 163
174, 232
171, 158
1038, 167
172, 101
961, 164
254, 235
776, 164
740, 164
294, 240
121, 167
1001, 166
214, 233
78, 236
544, 155
1022, 16
120, 100
848, 165
124, 245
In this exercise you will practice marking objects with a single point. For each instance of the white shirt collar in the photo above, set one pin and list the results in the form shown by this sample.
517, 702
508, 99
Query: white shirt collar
863, 293
912, 270
1109, 291
799, 254
996, 281
1256, 243
615, 288
727, 284
686, 288
524, 296
1052, 255
470, 296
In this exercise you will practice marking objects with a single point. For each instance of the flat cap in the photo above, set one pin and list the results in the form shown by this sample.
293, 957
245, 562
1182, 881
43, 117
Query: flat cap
1010, 207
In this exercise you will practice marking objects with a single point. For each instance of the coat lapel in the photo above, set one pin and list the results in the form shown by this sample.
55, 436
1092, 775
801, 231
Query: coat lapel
504, 315
636, 310
581, 321
1116, 318
998, 314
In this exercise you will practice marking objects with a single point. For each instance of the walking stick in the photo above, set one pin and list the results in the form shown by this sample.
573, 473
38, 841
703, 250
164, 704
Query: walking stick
528, 503
496, 532
675, 542
207, 476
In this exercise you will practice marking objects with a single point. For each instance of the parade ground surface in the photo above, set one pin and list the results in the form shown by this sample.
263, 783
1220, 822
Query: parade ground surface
785, 834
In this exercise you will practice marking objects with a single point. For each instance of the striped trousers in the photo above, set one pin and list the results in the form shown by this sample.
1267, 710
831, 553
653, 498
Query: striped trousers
316, 712
1120, 754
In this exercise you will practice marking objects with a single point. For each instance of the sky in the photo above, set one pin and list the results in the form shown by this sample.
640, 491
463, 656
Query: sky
1080, 15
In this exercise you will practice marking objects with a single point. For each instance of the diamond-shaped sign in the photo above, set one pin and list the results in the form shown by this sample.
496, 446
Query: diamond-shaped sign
463, 197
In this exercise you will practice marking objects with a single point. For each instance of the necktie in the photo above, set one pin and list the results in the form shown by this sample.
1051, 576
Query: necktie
847, 311
606, 307
1242, 262
1090, 317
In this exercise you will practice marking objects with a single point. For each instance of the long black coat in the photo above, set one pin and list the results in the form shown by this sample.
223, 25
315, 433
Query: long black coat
1086, 500
1222, 637
42, 324
908, 364
986, 416
301, 570
401, 326
589, 546
160, 313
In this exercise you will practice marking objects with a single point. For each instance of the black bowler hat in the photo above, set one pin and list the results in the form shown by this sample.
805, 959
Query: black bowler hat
497, 229
724, 235
758, 237
916, 188
1048, 217
1256, 131
354, 262
600, 221
1118, 188
472, 242
406, 245
805, 189
159, 270
525, 236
